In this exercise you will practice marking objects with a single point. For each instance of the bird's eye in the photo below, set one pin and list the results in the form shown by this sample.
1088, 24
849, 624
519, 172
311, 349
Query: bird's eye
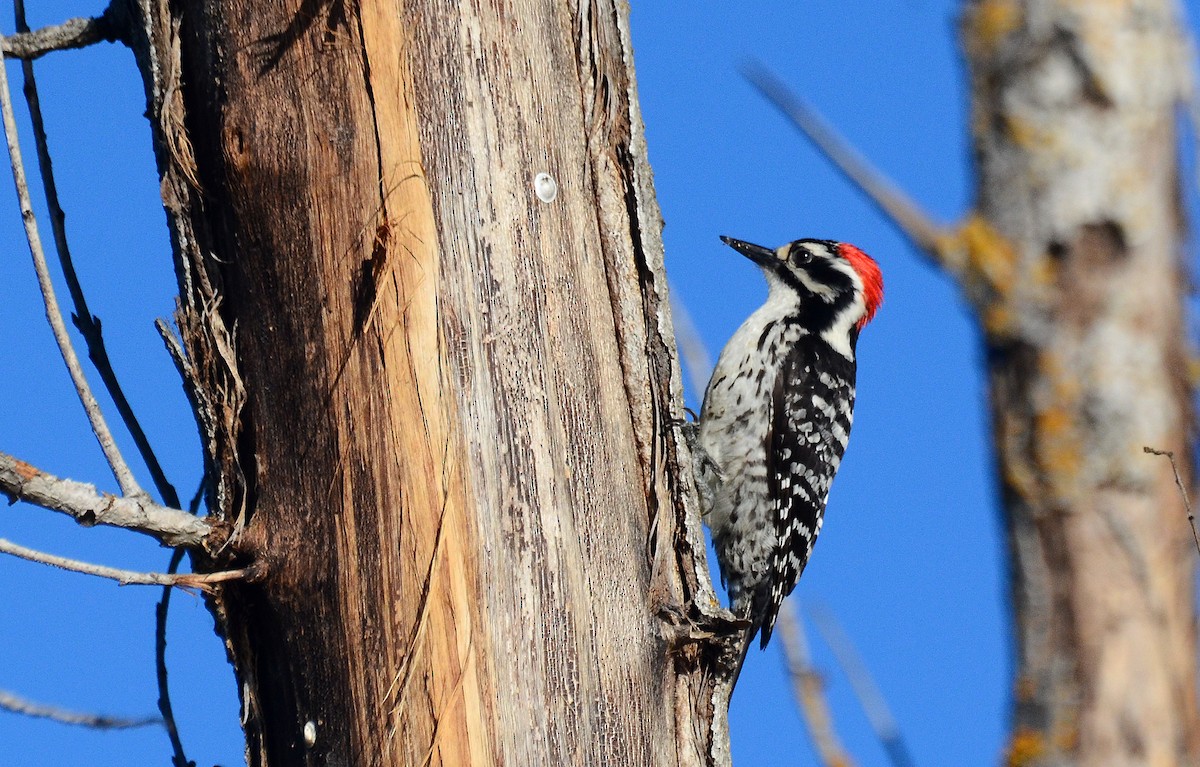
801, 255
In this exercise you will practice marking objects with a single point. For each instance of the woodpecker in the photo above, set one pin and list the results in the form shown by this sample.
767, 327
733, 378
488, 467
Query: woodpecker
776, 418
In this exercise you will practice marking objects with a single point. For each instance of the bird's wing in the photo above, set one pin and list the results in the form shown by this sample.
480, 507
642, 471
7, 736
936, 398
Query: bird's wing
810, 422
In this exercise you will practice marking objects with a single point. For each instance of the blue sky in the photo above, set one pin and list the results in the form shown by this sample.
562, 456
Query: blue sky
910, 558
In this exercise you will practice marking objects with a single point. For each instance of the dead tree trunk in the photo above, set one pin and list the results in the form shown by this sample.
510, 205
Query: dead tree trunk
439, 400
1074, 262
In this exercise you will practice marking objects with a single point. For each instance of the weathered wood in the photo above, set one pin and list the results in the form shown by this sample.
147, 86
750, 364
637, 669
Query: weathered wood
442, 412
1075, 266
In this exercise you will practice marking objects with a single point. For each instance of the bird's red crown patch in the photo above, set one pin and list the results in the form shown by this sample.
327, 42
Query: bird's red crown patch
872, 279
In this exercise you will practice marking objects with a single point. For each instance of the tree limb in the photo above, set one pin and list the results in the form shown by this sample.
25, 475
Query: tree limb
869, 695
19, 705
907, 216
172, 527
202, 581
120, 469
696, 359
27, 44
178, 755
809, 689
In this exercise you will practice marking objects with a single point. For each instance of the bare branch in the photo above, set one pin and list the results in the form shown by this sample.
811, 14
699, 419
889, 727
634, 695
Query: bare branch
19, 705
125, 479
696, 358
868, 693
178, 756
85, 321
809, 688
172, 527
912, 221
202, 581
1187, 504
72, 33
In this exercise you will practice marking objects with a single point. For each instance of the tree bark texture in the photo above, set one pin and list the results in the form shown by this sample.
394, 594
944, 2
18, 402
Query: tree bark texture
441, 411
1074, 262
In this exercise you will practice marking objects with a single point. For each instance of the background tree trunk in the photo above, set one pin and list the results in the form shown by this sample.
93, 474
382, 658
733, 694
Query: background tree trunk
439, 410
1074, 263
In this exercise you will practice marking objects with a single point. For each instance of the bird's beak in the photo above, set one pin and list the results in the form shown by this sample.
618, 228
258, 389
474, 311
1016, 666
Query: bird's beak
764, 257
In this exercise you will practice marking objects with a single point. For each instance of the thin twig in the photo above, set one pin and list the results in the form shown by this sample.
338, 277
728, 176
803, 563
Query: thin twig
72, 33
868, 693
172, 527
19, 705
87, 323
696, 359
120, 469
202, 581
178, 756
809, 689
1187, 504
912, 221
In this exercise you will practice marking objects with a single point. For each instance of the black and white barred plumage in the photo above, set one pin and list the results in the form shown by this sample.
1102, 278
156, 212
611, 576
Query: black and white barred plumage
777, 416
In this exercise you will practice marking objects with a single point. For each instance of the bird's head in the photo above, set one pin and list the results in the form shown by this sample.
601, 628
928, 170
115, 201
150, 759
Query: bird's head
833, 280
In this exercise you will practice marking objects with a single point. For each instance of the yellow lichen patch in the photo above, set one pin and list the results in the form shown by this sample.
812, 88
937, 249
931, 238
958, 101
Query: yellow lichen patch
989, 23
998, 320
1025, 133
990, 257
1058, 451
1017, 472
1066, 737
1025, 748
1053, 423
949, 246
1193, 370
1056, 440
1043, 273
